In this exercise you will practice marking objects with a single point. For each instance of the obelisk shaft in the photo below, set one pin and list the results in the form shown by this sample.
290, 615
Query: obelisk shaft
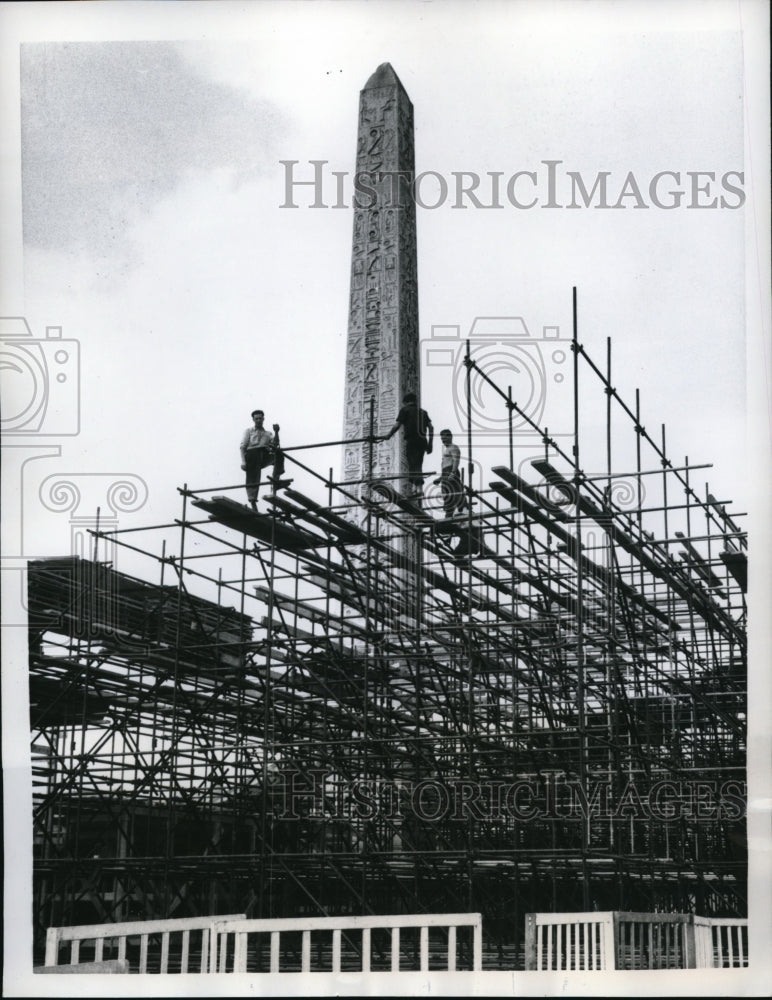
382, 362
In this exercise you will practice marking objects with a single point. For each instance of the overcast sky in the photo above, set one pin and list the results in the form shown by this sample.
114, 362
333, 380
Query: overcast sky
149, 139
154, 233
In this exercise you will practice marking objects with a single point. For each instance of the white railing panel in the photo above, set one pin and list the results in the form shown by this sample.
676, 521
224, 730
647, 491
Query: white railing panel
730, 941
424, 949
618, 940
275, 951
395, 949
173, 934
570, 941
164, 952
339, 928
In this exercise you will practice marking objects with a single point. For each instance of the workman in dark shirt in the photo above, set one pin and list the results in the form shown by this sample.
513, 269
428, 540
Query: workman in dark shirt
419, 435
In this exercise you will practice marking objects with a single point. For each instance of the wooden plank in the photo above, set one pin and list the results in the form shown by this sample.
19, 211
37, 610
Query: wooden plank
264, 527
424, 949
240, 952
690, 958
112, 966
395, 949
350, 923
573, 918
326, 513
209, 950
530, 941
610, 937
477, 945
366, 949
52, 945
633, 916
164, 952
452, 948
305, 952
136, 927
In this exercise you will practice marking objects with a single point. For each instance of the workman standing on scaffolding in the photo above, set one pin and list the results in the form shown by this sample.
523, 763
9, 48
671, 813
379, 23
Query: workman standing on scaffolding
259, 449
450, 477
419, 435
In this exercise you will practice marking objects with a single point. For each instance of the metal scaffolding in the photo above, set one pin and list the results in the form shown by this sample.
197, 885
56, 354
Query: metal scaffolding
536, 705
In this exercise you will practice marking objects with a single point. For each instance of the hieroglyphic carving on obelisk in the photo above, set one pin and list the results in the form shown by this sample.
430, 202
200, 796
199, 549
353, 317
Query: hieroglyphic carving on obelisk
382, 362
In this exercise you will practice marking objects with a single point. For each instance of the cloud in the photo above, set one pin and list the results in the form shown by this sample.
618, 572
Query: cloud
111, 128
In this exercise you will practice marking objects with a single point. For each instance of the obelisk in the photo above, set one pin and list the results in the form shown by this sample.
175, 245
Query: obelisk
382, 362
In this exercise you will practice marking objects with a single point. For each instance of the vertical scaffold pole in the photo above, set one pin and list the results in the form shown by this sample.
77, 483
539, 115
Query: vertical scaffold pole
173, 747
582, 723
369, 635
470, 642
510, 407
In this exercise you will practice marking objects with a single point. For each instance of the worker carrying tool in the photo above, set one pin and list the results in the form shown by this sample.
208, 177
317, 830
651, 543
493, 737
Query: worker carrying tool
259, 449
419, 436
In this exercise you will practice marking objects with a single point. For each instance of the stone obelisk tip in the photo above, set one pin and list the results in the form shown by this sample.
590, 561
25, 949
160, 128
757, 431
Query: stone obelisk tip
384, 76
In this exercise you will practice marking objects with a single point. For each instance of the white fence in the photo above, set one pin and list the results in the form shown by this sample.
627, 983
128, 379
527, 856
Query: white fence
313, 944
405, 942
627, 941
722, 943
150, 945
579, 941
583, 942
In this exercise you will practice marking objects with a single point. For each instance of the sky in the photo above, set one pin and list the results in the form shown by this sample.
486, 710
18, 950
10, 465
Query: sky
154, 233
142, 194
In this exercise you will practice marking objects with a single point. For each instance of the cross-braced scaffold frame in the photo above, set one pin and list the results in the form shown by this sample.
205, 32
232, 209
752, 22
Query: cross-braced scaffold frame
352, 703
